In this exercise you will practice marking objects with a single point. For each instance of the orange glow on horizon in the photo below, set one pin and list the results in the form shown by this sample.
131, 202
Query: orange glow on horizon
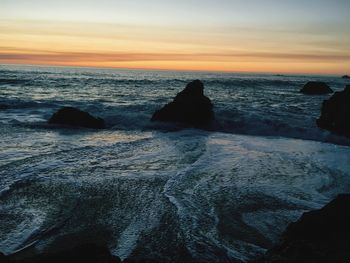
273, 69
164, 48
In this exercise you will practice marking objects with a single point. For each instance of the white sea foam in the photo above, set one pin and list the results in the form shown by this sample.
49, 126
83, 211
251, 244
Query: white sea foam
266, 183
232, 194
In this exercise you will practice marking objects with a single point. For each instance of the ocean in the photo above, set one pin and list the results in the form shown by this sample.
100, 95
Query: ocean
144, 188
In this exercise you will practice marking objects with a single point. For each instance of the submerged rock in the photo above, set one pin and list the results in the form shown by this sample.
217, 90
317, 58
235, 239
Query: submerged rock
335, 113
75, 117
88, 253
316, 88
318, 236
190, 106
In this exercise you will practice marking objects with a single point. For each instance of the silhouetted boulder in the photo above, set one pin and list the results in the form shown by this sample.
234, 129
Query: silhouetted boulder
318, 236
74, 117
88, 253
335, 113
316, 88
346, 77
190, 106
4, 259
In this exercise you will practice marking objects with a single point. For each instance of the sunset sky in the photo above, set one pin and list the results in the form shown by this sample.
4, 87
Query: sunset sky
295, 36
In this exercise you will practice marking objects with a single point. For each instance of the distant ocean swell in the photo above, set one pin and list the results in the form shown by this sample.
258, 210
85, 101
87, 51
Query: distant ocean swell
37, 81
231, 118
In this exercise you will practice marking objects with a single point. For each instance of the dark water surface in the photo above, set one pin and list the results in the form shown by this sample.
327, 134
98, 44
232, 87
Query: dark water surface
220, 196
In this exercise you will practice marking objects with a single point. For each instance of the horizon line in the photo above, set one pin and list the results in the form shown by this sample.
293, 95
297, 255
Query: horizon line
172, 70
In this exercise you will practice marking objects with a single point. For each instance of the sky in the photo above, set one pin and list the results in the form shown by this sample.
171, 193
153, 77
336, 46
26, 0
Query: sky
281, 36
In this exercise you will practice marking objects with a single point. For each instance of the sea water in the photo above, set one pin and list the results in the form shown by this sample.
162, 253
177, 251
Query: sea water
144, 188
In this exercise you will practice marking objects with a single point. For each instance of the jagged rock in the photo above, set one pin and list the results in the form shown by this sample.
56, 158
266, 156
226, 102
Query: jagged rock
190, 106
319, 236
316, 88
74, 117
4, 259
335, 113
346, 77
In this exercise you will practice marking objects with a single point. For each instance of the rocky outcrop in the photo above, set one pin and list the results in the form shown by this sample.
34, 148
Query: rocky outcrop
74, 117
318, 236
335, 113
316, 88
88, 253
190, 106
346, 77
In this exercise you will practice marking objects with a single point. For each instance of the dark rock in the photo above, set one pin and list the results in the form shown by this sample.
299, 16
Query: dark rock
88, 253
4, 259
74, 117
346, 77
190, 106
335, 113
316, 88
318, 236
